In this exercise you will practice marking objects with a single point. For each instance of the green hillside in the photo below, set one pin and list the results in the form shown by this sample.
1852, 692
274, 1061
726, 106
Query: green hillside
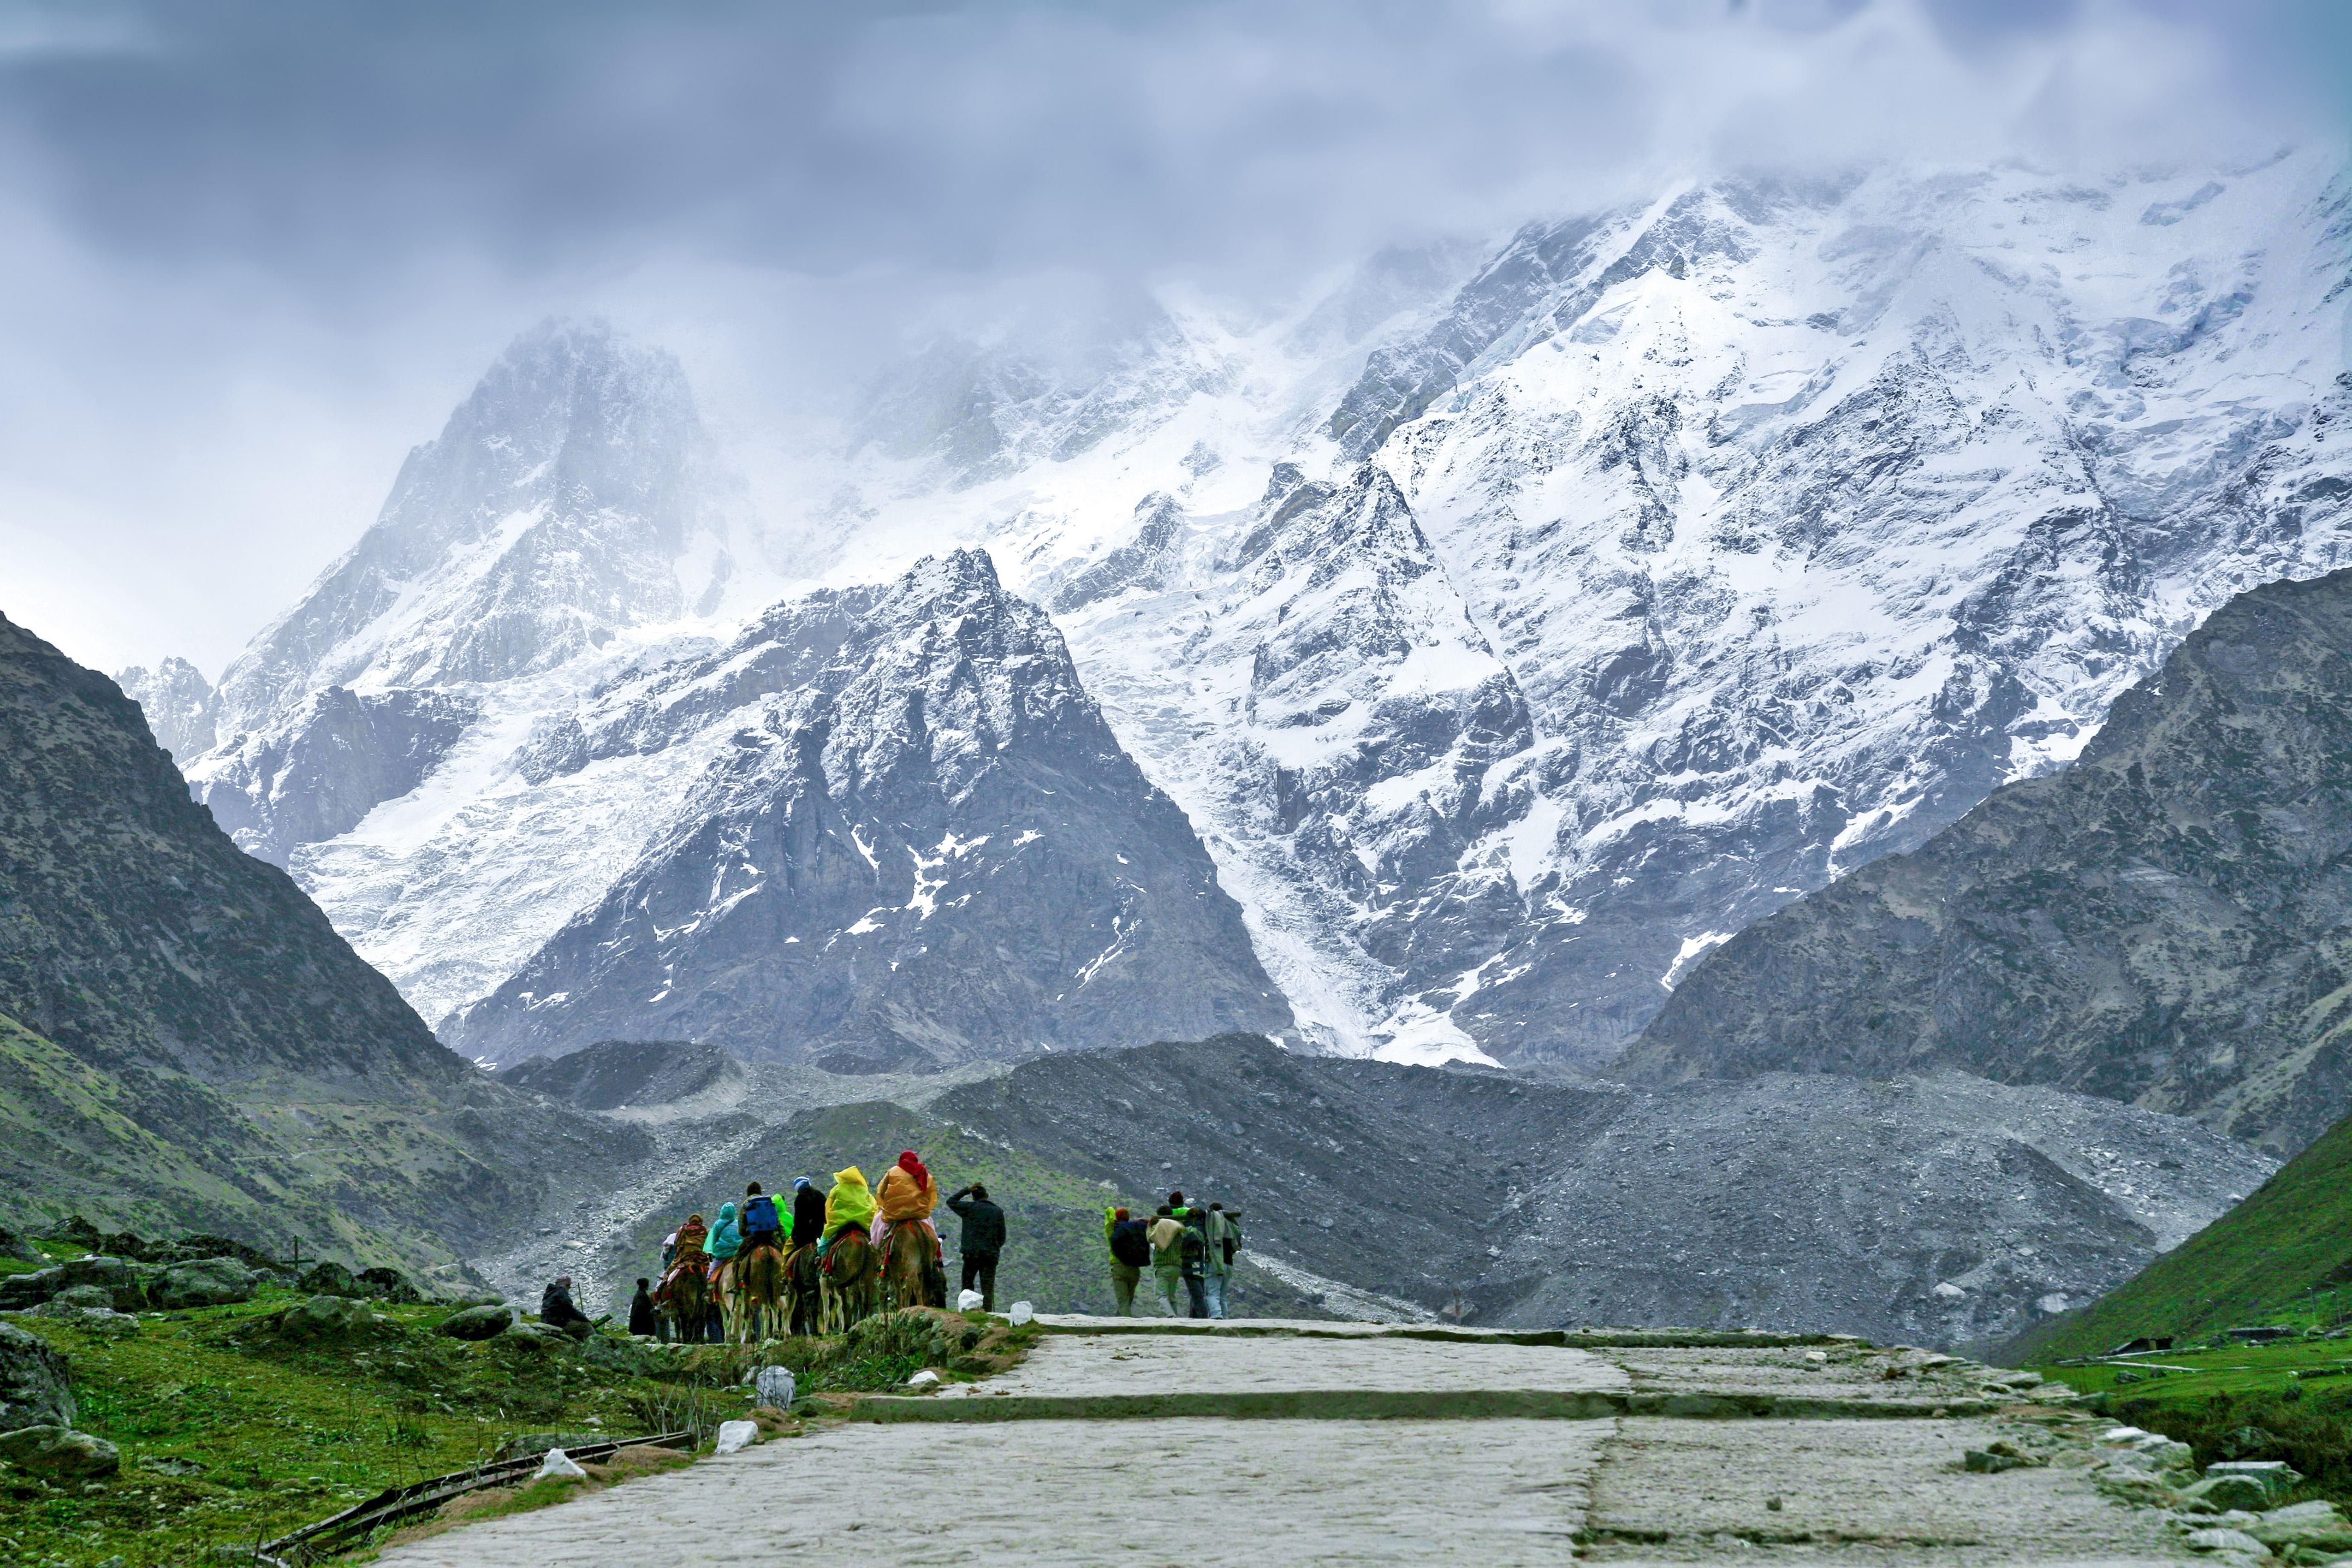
2284, 1256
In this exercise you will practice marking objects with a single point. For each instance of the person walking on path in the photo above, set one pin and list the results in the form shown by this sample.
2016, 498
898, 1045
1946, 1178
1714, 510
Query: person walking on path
1193, 1255
1224, 1240
1130, 1254
982, 1240
1167, 1235
643, 1319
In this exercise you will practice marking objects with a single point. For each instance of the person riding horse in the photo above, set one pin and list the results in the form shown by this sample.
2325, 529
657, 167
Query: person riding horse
907, 1199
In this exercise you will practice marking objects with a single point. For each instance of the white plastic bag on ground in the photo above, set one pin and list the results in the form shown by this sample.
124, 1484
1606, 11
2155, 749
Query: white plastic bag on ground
558, 1463
736, 1435
1021, 1312
968, 1300
776, 1386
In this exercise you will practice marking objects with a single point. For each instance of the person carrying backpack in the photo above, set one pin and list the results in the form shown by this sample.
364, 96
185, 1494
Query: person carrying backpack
1167, 1235
761, 1223
1130, 1254
1224, 1240
1193, 1258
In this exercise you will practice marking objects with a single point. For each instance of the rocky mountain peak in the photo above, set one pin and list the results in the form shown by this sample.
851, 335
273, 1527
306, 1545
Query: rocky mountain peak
915, 841
179, 704
554, 511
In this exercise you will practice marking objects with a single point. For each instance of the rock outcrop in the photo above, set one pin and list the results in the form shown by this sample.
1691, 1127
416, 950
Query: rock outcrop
2164, 923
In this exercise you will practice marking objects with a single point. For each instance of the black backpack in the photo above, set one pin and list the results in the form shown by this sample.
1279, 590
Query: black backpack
1130, 1243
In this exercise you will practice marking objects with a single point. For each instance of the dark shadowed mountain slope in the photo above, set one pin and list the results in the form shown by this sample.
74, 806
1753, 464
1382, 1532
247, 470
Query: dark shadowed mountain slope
184, 1040
914, 842
2292, 1236
1938, 1210
2166, 922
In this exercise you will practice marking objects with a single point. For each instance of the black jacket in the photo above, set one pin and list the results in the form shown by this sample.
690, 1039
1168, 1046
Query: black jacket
808, 1215
984, 1224
555, 1307
641, 1313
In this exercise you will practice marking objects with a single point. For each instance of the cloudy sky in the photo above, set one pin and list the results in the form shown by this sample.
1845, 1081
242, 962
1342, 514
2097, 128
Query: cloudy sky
254, 252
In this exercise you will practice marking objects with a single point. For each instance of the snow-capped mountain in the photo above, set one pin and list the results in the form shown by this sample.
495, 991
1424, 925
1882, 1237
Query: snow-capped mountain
915, 842
1796, 517
1511, 633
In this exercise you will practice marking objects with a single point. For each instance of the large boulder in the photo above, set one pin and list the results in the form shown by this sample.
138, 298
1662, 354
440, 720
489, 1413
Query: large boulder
476, 1323
83, 1298
125, 1281
329, 1278
58, 1453
389, 1285
15, 1245
18, 1291
326, 1318
207, 1282
35, 1387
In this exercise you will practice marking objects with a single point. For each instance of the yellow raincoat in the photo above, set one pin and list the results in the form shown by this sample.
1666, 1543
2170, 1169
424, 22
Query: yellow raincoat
851, 1201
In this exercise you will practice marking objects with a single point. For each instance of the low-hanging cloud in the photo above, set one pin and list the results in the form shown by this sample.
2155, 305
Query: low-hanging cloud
336, 212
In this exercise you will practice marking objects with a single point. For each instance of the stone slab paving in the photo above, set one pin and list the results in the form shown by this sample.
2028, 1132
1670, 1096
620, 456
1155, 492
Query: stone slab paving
1178, 1493
1292, 1471
1885, 1492
1153, 1363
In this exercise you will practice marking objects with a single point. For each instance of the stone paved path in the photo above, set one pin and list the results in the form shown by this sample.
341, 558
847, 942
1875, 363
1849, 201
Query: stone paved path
967, 1486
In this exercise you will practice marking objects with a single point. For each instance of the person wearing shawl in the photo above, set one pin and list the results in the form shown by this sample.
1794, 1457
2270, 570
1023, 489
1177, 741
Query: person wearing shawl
808, 1212
907, 1195
851, 1201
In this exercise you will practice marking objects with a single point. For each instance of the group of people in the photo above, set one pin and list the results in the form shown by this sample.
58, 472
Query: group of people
1189, 1249
817, 1218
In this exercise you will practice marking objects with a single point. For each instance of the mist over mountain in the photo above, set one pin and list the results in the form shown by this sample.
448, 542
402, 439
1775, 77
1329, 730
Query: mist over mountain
1510, 630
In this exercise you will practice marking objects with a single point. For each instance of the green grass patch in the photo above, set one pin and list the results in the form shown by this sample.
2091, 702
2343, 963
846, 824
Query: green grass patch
2284, 1256
2290, 1400
229, 1437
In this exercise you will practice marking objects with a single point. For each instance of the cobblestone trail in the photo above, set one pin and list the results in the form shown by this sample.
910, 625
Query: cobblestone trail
1310, 1485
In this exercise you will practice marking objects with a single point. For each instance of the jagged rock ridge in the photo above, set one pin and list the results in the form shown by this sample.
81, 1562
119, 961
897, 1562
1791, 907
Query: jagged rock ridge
1939, 1209
916, 844
2164, 923
184, 1038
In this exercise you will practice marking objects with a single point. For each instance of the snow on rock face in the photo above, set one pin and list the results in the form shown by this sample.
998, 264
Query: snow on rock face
322, 768
178, 703
916, 842
554, 511
1794, 519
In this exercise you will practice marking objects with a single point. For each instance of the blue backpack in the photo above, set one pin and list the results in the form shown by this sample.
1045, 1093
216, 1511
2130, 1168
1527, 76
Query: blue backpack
758, 1214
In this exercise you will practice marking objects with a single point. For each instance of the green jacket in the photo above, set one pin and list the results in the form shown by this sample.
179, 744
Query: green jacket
1222, 1226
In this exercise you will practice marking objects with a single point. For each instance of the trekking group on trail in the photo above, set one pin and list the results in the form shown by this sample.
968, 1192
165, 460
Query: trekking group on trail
1187, 1248
833, 1257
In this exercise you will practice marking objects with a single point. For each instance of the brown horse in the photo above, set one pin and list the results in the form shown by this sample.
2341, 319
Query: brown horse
850, 1281
803, 1290
907, 1267
688, 1298
755, 1302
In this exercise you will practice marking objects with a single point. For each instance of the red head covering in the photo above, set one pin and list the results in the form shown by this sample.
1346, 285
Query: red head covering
914, 1167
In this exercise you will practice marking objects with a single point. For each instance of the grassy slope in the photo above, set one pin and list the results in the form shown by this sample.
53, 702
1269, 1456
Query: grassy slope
265, 1167
1053, 1255
2289, 1401
2274, 1258
228, 1439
